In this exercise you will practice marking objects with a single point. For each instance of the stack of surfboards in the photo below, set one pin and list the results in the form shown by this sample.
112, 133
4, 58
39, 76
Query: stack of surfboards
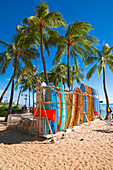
70, 106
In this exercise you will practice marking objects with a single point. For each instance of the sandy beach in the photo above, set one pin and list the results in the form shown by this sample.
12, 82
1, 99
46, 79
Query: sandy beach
83, 147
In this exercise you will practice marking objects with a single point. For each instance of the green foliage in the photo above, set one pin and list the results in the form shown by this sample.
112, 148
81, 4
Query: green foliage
99, 61
4, 109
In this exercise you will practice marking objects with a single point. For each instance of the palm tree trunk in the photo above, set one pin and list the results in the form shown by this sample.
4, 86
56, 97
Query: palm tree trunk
68, 68
43, 59
6, 89
29, 98
72, 83
19, 96
106, 96
12, 91
33, 100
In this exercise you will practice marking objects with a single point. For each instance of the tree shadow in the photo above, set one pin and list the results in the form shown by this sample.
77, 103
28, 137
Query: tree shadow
12, 136
103, 131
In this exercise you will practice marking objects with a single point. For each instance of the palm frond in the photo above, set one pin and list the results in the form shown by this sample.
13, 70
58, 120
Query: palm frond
60, 52
91, 71
42, 10
54, 20
109, 51
90, 60
4, 43
99, 68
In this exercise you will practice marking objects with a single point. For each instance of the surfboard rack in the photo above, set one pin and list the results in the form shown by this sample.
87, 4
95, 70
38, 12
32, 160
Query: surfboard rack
40, 105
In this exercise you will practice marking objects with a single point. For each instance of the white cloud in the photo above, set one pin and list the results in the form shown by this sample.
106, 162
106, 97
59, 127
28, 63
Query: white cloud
107, 45
7, 79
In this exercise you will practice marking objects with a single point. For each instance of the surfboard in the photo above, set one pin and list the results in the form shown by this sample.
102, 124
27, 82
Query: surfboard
78, 102
88, 91
68, 111
82, 87
92, 105
98, 106
64, 114
48, 98
73, 100
95, 100
81, 108
59, 104
54, 124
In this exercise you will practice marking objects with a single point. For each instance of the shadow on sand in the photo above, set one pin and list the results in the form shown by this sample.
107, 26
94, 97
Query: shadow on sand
3, 122
104, 131
8, 136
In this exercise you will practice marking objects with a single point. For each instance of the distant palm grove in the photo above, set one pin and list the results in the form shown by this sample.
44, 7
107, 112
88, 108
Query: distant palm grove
39, 33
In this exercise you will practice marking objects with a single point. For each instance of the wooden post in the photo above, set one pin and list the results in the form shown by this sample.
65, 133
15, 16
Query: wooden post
87, 119
48, 121
33, 118
78, 122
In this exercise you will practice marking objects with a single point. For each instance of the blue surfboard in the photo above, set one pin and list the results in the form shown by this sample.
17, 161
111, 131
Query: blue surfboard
98, 106
82, 87
96, 100
64, 110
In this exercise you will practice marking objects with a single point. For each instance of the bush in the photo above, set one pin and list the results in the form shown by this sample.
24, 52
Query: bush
16, 109
4, 109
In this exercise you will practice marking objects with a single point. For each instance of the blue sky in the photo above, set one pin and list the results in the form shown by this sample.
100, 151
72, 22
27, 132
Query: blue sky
98, 13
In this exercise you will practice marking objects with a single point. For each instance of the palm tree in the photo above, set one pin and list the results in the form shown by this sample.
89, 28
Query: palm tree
76, 42
27, 77
58, 74
76, 74
38, 26
100, 60
16, 52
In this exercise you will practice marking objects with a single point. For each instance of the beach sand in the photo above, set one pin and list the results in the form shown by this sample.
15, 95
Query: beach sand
83, 147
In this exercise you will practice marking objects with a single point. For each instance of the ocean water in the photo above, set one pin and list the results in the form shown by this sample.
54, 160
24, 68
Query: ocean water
103, 109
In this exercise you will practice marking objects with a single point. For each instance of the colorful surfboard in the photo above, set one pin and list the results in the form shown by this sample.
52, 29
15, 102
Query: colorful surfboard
64, 114
59, 104
88, 91
75, 107
92, 106
68, 111
96, 101
78, 102
82, 87
98, 106
81, 108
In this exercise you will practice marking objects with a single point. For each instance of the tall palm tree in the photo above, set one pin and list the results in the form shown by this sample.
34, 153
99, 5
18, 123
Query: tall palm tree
39, 26
100, 60
76, 42
16, 52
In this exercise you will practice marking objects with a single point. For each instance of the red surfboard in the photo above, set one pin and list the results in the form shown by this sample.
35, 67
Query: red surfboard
50, 113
